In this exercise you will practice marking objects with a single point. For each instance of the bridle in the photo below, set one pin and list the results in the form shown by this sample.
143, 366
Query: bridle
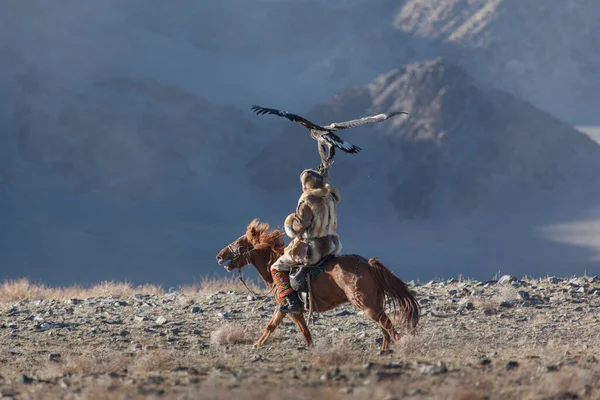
235, 250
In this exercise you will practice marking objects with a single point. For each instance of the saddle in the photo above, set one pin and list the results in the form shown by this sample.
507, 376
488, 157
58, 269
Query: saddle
298, 276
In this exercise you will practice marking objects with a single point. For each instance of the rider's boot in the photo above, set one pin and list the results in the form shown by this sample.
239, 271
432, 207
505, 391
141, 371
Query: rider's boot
282, 280
293, 304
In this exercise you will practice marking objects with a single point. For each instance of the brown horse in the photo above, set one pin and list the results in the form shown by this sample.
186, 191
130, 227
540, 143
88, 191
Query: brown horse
367, 284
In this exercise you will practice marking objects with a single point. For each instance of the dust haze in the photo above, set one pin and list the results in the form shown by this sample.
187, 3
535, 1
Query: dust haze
128, 150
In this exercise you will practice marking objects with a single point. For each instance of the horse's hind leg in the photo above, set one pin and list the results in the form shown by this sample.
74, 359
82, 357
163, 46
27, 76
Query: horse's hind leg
273, 324
303, 327
386, 340
378, 315
375, 310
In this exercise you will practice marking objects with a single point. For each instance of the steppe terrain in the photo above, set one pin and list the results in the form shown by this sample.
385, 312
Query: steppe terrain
506, 338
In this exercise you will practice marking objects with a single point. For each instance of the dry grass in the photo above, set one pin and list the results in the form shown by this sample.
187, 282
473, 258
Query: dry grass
231, 334
23, 289
210, 285
118, 391
86, 364
504, 294
568, 380
507, 294
154, 361
328, 355
106, 362
411, 345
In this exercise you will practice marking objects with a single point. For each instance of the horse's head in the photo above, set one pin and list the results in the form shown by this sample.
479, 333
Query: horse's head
236, 255
240, 252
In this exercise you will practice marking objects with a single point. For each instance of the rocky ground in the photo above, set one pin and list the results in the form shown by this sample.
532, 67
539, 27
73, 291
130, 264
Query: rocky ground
525, 339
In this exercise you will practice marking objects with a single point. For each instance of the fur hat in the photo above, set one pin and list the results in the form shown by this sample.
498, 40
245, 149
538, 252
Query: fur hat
312, 179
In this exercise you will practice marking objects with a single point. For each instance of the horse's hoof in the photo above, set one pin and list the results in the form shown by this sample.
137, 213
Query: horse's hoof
256, 345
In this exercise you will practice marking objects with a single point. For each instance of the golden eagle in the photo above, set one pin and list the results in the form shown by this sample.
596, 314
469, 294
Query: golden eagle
324, 135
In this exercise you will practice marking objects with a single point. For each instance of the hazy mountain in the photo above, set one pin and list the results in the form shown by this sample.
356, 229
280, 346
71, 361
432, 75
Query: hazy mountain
543, 51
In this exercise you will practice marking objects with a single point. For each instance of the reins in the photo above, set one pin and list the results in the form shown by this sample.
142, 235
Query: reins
242, 280
237, 256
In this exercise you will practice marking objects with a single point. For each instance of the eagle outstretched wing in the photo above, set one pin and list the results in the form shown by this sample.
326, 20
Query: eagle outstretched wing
292, 117
361, 121
340, 143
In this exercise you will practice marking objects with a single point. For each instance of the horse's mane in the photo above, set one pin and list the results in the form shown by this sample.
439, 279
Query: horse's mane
261, 239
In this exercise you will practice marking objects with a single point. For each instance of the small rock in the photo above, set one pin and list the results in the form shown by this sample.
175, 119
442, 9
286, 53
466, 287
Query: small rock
469, 306
549, 368
506, 280
225, 315
395, 365
75, 301
45, 326
161, 320
586, 390
579, 308
452, 292
155, 379
138, 318
440, 368
511, 365
484, 361
565, 396
8, 393
54, 357
196, 310
577, 282
123, 333
23, 379
524, 294
197, 332
506, 304
367, 365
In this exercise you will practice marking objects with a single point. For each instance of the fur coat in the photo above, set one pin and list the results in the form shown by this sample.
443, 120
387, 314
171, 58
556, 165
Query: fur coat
313, 226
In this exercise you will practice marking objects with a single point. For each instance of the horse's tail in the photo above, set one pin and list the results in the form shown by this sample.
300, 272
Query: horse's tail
397, 293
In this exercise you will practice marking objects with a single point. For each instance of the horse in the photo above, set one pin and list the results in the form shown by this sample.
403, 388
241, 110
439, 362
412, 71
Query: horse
366, 283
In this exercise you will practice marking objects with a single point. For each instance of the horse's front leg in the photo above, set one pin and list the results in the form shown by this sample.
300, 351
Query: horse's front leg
273, 324
303, 327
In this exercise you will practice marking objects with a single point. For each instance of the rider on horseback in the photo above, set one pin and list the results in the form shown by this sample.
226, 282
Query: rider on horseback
313, 231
